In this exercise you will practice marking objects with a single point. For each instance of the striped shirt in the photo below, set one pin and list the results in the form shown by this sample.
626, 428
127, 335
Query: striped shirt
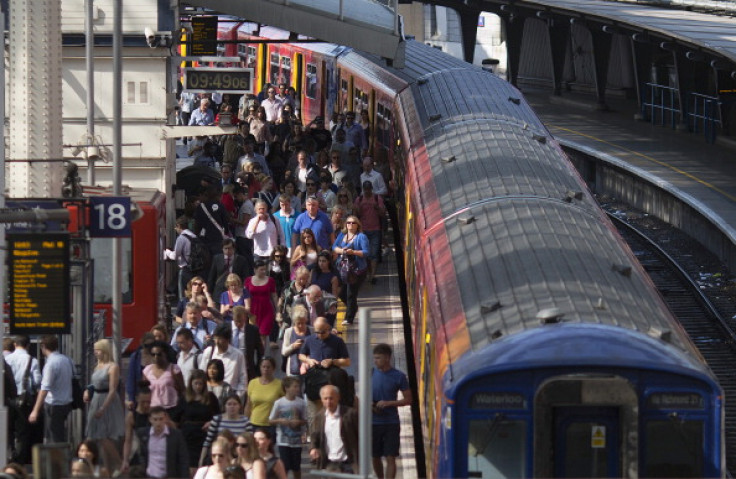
221, 422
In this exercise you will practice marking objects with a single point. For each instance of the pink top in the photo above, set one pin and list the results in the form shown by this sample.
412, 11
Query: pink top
163, 391
368, 212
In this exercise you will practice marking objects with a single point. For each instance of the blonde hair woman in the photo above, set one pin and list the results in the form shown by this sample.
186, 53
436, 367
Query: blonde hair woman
235, 295
248, 457
105, 413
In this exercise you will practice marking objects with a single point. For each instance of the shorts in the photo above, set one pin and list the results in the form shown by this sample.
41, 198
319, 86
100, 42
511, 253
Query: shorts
374, 242
386, 438
291, 457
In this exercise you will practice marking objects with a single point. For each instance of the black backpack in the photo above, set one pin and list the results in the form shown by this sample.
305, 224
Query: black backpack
199, 255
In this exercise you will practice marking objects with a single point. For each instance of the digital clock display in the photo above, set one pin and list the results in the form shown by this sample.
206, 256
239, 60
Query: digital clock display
203, 80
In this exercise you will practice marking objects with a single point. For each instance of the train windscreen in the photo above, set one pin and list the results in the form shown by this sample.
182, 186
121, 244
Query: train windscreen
496, 448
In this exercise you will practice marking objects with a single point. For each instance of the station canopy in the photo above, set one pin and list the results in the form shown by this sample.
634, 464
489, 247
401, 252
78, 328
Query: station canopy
373, 26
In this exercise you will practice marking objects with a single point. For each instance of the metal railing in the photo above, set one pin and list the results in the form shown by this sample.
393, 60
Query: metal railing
705, 114
661, 105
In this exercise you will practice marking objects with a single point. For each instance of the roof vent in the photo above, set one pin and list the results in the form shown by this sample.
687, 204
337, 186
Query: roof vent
514, 100
663, 334
486, 308
448, 159
466, 220
496, 335
550, 316
435, 117
572, 195
600, 304
422, 81
540, 138
621, 269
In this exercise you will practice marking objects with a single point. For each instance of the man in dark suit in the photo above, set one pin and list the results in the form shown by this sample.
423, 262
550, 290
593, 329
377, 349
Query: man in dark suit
342, 419
224, 264
247, 339
164, 451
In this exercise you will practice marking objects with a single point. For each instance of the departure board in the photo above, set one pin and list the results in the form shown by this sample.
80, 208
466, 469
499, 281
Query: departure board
38, 266
204, 36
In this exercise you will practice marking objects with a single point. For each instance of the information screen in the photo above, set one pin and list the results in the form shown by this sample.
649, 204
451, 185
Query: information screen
38, 266
233, 80
204, 36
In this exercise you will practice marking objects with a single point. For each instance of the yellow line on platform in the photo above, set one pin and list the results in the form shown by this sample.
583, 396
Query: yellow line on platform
646, 157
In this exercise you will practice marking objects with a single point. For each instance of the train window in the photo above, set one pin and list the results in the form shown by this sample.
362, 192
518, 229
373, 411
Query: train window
496, 447
674, 448
311, 89
343, 94
275, 68
251, 58
285, 70
101, 251
358, 100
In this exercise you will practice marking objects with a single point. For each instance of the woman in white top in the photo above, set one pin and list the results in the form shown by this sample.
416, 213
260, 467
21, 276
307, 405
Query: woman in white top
221, 456
248, 457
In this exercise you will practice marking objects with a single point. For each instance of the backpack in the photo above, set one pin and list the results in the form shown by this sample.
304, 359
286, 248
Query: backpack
199, 255
314, 379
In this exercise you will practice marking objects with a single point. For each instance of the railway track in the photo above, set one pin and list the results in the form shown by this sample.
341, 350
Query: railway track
699, 316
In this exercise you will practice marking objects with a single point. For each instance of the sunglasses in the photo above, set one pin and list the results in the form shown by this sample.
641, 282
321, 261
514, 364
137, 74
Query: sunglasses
278, 256
242, 444
351, 222
326, 331
197, 283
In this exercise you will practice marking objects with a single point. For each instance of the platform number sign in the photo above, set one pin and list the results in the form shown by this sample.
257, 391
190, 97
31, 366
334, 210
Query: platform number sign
109, 217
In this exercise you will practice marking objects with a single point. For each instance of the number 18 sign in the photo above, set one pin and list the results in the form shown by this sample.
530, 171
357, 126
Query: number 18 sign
109, 217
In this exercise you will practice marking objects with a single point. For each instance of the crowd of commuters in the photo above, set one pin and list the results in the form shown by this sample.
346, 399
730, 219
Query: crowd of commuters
262, 257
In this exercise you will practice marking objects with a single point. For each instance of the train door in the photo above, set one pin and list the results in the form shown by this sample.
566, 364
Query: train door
586, 426
298, 74
586, 442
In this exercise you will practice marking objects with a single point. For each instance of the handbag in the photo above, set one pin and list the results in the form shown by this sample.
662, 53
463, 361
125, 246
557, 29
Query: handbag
347, 267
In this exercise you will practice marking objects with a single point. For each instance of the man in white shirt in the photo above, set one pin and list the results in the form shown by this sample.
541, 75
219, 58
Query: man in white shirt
376, 179
27, 375
231, 357
272, 105
264, 231
335, 436
188, 357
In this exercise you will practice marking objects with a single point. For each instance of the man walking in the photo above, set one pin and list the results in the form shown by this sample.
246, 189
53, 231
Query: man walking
335, 435
55, 396
27, 376
386, 382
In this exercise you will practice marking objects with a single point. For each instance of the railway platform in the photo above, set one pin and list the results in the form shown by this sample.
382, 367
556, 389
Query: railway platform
701, 174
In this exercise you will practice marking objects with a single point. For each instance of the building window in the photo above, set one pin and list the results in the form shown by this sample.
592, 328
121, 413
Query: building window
136, 93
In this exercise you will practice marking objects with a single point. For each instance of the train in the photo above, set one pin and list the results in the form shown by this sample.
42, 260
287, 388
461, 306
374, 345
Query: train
541, 348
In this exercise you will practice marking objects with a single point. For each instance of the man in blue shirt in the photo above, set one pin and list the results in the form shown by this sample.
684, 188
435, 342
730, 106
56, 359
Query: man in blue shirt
202, 116
386, 382
202, 329
316, 220
55, 395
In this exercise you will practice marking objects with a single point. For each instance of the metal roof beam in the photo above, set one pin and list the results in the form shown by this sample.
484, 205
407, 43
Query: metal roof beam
379, 33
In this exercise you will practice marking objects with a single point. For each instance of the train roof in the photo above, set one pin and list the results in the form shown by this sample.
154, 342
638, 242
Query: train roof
524, 234
576, 345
